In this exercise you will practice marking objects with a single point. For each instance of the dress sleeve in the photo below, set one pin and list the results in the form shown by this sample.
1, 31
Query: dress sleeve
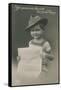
47, 47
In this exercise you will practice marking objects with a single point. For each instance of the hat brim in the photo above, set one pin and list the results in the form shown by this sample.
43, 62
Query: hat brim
43, 22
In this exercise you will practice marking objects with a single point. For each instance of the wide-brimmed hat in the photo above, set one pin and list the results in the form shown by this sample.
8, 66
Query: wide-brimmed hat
36, 20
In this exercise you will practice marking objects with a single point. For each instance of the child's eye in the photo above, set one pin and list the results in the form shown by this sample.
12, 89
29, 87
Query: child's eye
36, 30
32, 30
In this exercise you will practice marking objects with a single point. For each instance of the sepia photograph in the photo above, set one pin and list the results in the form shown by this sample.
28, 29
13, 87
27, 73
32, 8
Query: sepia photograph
33, 44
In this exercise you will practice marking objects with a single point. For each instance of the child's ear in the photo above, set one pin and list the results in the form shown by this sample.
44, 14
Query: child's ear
41, 27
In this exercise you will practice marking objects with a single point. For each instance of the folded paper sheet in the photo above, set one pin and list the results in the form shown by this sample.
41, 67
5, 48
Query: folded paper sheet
30, 64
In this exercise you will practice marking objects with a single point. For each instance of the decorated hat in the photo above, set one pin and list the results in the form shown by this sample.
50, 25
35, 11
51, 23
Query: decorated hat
34, 20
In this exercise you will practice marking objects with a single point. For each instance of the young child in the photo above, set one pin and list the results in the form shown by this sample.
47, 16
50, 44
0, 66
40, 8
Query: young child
37, 28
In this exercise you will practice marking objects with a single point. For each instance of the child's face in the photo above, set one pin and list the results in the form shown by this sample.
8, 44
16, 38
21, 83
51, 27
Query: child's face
36, 31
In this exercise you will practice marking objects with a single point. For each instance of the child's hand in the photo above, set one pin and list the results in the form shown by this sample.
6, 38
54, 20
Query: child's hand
18, 58
49, 56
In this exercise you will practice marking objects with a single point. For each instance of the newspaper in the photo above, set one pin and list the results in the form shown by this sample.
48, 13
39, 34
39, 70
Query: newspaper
30, 64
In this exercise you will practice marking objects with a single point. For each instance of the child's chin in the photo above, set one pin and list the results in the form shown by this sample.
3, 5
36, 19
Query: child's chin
36, 37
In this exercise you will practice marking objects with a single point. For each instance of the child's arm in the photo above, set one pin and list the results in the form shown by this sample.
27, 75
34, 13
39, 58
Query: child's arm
18, 58
47, 51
